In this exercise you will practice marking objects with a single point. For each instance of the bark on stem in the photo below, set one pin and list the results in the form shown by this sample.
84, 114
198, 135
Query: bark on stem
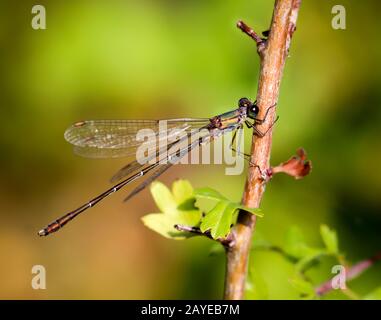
272, 58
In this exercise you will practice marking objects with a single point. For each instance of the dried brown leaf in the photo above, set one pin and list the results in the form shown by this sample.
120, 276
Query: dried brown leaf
297, 166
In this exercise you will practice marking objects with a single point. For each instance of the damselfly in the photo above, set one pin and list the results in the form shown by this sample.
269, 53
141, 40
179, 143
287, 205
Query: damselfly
117, 138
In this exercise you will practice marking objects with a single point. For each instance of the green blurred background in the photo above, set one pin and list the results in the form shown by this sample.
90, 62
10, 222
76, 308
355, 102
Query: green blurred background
167, 58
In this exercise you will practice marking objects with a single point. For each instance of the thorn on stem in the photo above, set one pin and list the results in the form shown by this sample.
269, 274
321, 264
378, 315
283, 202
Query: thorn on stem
261, 43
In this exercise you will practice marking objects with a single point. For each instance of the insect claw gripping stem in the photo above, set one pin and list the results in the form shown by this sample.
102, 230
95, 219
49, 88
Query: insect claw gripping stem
265, 174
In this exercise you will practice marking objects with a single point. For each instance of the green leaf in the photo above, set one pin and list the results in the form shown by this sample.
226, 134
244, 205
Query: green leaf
295, 245
256, 211
218, 220
163, 197
329, 237
182, 191
208, 193
177, 208
374, 295
305, 288
188, 204
164, 223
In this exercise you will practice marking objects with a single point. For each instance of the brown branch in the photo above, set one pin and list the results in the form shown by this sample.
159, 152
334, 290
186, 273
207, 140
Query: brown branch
272, 63
351, 273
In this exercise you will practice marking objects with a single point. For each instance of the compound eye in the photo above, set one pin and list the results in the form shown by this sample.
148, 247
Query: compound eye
255, 109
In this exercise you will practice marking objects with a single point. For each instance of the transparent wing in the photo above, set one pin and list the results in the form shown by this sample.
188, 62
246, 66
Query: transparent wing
134, 165
159, 168
102, 153
117, 138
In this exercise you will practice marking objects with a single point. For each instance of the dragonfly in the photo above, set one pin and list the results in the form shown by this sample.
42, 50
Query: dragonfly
117, 138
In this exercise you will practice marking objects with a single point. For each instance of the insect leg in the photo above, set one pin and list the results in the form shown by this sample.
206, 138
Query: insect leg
260, 121
262, 134
246, 156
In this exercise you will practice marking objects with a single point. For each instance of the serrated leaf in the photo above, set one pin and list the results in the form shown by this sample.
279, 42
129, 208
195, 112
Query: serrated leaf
173, 213
182, 191
160, 223
329, 237
208, 193
179, 208
164, 225
256, 211
374, 295
188, 204
163, 197
295, 245
218, 220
